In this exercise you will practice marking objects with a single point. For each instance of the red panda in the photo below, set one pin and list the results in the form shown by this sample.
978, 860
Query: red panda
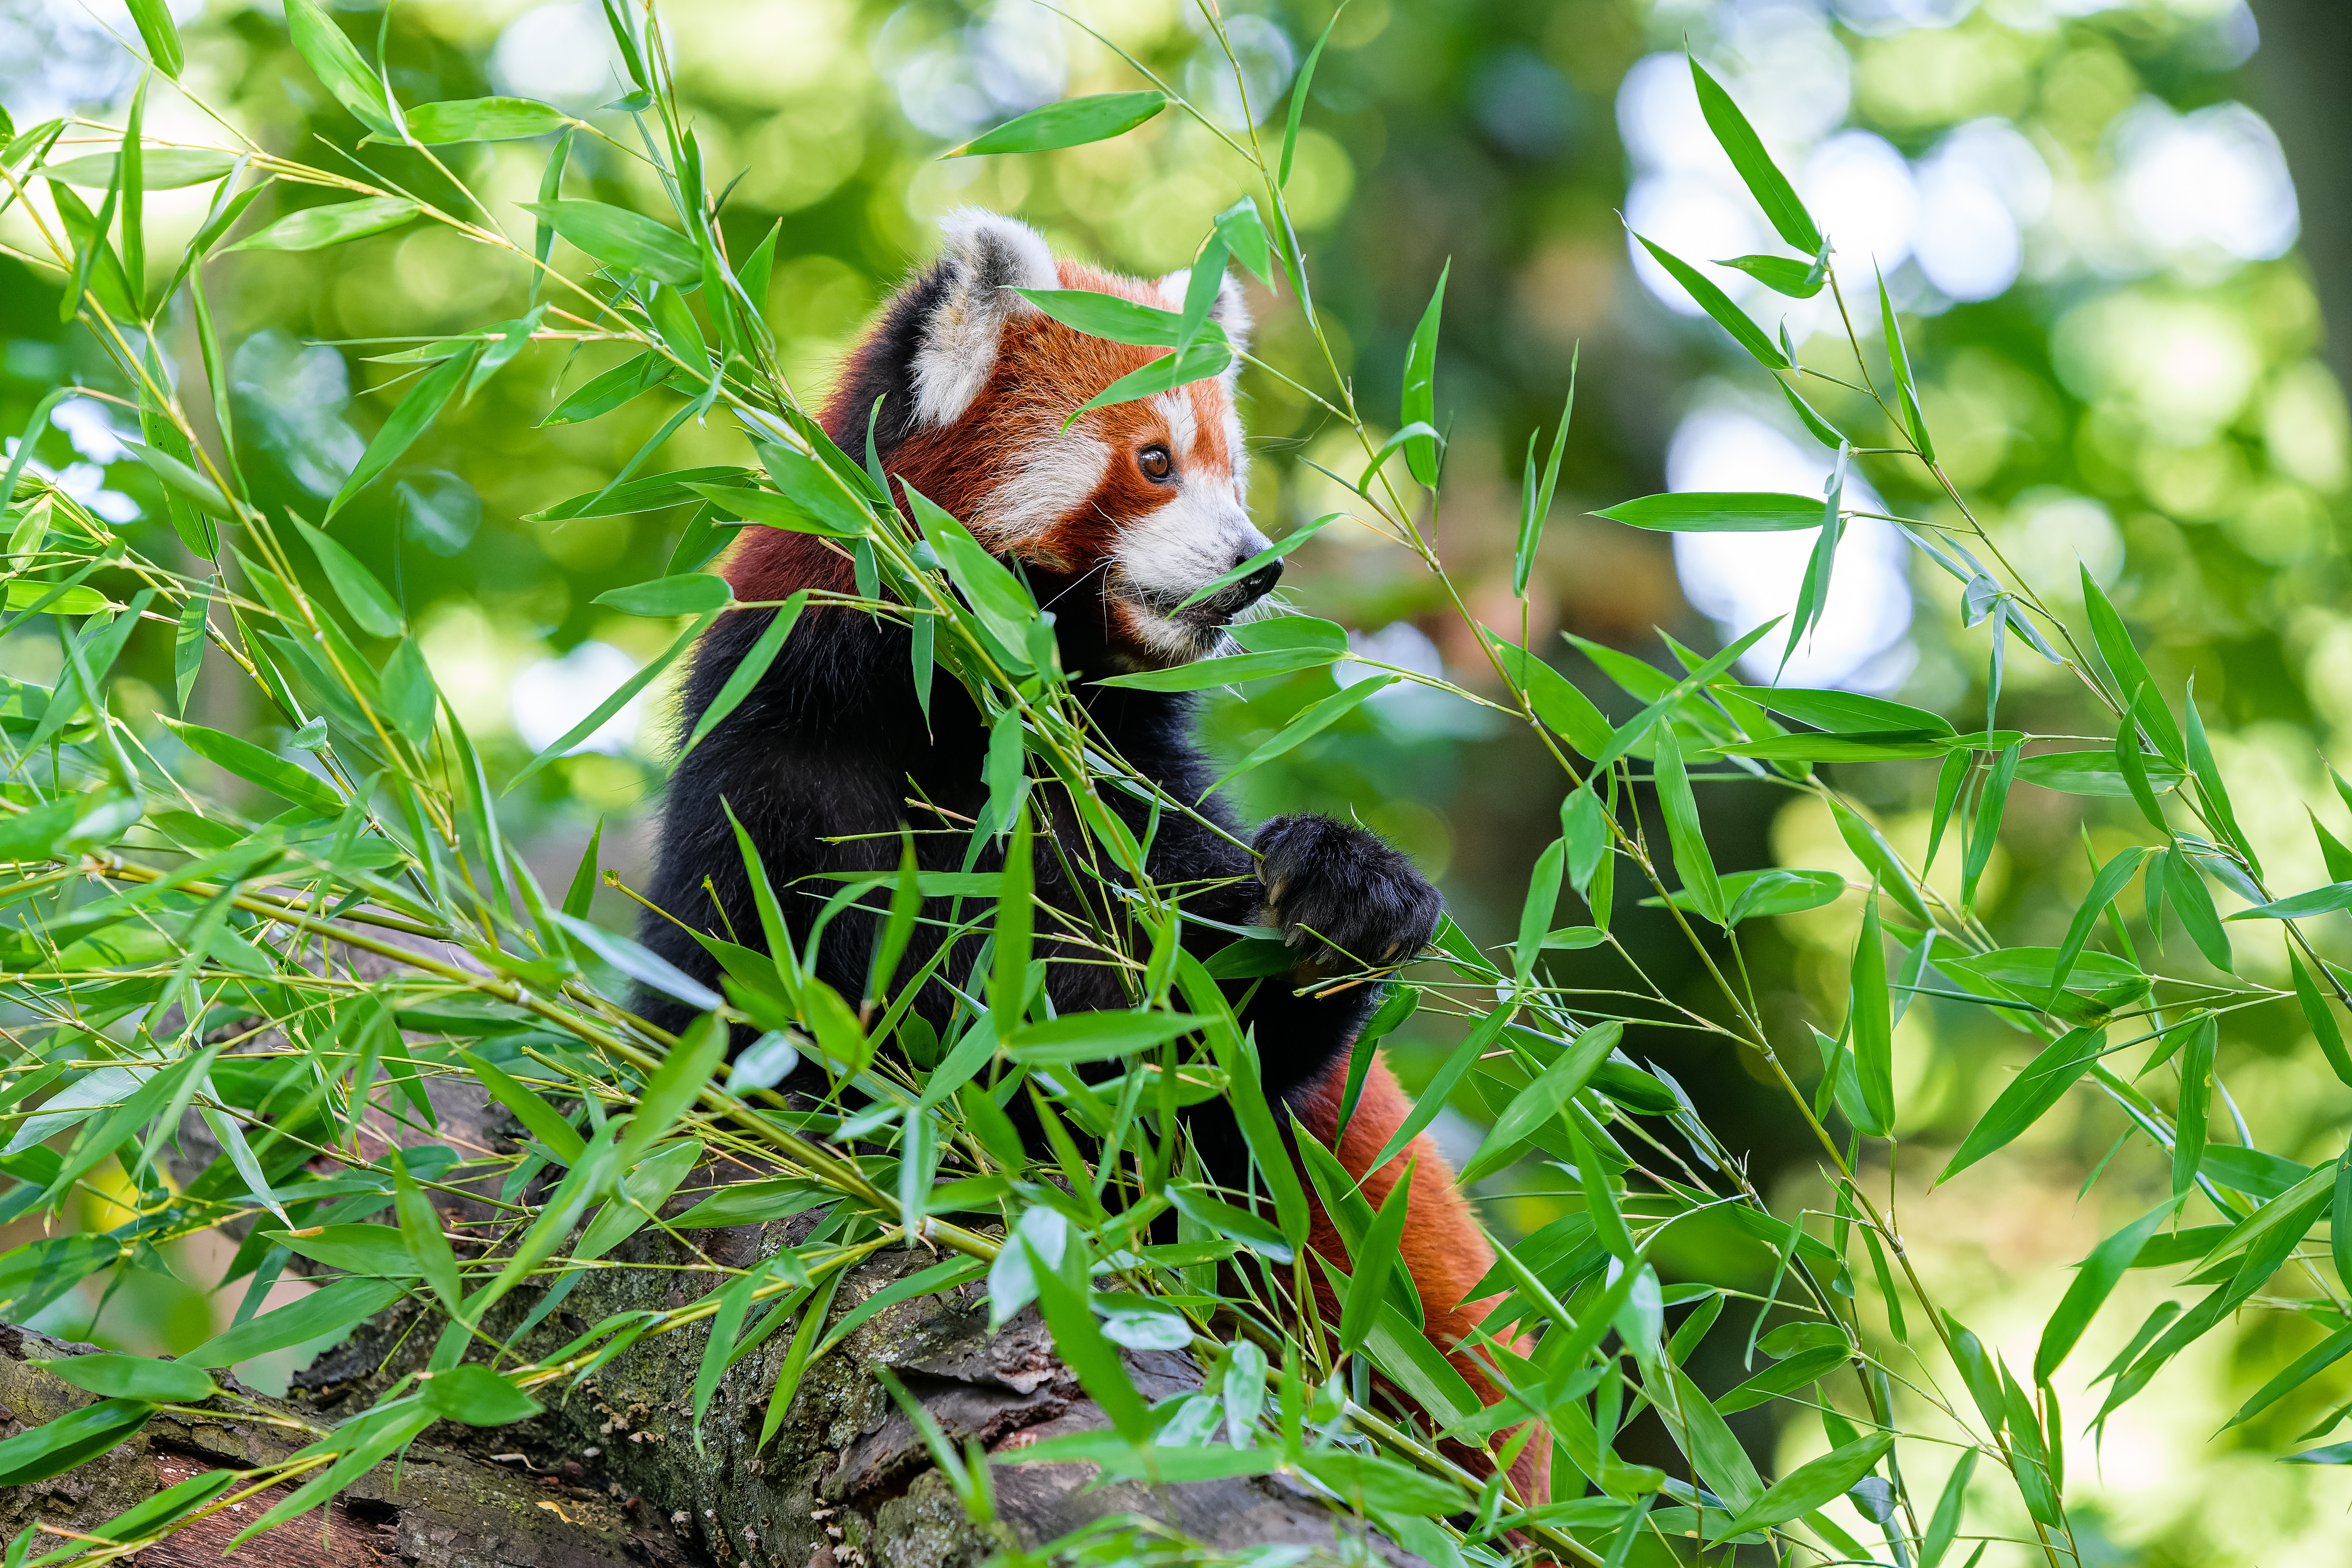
1116, 521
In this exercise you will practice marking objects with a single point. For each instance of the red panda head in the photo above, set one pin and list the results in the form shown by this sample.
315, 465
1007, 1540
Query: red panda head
1118, 519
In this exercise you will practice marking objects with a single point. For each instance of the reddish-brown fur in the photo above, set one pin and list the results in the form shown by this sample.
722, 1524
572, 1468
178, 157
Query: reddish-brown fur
1044, 369
1442, 1248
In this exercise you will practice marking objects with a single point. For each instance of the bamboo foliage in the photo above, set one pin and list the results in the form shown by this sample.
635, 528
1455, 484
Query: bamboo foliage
171, 951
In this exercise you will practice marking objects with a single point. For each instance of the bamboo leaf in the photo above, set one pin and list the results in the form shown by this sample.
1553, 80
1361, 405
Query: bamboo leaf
340, 67
1727, 314
483, 119
418, 408
1534, 1107
1871, 1023
1693, 862
1770, 188
2031, 1093
316, 228
1419, 396
1073, 122
1373, 1262
1726, 511
619, 237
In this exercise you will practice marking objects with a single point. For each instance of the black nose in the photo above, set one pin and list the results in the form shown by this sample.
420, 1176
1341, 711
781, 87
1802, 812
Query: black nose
1260, 582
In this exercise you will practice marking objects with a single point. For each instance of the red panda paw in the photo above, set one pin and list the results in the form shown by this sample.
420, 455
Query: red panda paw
1345, 899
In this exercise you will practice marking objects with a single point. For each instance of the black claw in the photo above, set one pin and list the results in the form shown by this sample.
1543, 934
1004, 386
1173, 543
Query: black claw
1344, 899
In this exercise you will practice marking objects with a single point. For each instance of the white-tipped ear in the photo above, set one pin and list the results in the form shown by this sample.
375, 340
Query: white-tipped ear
988, 256
1231, 312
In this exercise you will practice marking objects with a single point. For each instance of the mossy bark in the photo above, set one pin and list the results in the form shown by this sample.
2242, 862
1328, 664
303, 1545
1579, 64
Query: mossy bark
614, 1470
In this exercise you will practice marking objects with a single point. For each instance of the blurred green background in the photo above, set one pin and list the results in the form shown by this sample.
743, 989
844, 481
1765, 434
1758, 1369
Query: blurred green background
2085, 206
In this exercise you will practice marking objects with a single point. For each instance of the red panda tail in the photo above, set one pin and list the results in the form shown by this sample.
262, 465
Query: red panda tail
1442, 1248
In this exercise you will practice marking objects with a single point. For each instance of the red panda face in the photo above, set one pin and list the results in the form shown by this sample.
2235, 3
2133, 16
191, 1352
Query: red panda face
1118, 519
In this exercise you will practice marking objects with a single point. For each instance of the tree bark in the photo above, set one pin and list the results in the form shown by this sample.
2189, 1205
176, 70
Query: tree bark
2299, 71
614, 1471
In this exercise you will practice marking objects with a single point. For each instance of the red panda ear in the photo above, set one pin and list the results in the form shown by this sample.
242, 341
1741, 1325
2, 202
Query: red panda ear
969, 299
1231, 312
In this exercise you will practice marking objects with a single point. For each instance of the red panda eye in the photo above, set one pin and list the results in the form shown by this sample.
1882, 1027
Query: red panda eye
1156, 463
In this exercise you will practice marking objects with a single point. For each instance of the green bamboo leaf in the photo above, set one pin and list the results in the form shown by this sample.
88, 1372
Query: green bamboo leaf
340, 67
1232, 669
1844, 712
1871, 1023
1699, 1430
618, 700
133, 1377
1441, 1088
1073, 122
2094, 1279
251, 763
1533, 1108
545, 1123
1535, 499
160, 168
2196, 1099
1002, 603
1770, 188
427, 1235
1534, 914
1991, 805
316, 228
1782, 275
2105, 772
1268, 1145
2324, 1029
746, 674
1419, 396
376, 1250
71, 1439
1298, 104
2186, 892
1305, 725
1094, 1036
1809, 1486
1728, 315
418, 408
1728, 511
477, 1396
1242, 228
1199, 1206
599, 394
2130, 671
693, 594
1266, 557
161, 37
1899, 361
2041, 1086
376, 611
1101, 315
484, 120
1083, 1348
1373, 1262
619, 237
1693, 862
1170, 370
1559, 705
1944, 1525
2208, 783
340, 1305
2106, 888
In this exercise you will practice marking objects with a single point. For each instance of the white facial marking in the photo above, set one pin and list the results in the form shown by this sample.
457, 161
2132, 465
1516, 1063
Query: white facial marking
1054, 476
1183, 429
989, 256
1199, 535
